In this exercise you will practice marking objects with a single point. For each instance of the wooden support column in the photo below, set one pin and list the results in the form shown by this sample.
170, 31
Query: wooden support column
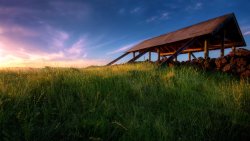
189, 56
149, 55
233, 49
141, 53
176, 59
159, 55
222, 43
206, 51
133, 54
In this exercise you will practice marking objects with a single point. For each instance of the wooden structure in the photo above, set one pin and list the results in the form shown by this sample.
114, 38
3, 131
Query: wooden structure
214, 34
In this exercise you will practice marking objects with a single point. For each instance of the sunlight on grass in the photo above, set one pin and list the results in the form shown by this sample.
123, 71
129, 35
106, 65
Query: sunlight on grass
123, 102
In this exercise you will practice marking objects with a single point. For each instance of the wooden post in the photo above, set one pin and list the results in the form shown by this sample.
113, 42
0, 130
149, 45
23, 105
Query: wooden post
133, 54
149, 56
206, 52
222, 43
189, 56
159, 55
233, 49
176, 59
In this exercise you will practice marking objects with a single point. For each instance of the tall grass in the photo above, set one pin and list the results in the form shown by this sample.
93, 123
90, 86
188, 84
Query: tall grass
125, 102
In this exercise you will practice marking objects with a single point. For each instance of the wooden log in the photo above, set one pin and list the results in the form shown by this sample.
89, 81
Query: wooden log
227, 68
245, 74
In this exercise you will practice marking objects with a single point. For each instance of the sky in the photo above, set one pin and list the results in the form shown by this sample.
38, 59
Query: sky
80, 33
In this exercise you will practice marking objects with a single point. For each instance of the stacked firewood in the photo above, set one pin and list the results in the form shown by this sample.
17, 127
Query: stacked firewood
237, 63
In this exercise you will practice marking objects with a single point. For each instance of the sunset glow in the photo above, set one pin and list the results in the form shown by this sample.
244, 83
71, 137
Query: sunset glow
83, 33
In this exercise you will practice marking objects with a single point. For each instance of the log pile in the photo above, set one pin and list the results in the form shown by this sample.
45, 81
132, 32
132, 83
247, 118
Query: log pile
236, 63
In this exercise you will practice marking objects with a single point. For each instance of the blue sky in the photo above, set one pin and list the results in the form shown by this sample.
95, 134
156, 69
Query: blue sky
79, 33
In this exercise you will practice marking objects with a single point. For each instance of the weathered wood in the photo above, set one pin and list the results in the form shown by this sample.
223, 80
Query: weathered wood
210, 28
186, 45
112, 62
206, 51
137, 56
183, 52
189, 56
134, 54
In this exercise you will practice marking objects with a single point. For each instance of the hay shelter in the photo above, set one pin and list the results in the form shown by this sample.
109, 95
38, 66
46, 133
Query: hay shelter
214, 34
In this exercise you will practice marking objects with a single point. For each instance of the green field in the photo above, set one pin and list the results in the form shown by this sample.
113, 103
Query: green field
126, 102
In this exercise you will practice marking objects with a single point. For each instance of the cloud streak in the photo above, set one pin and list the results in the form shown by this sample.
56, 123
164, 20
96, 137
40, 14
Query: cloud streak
246, 33
162, 16
194, 6
136, 10
123, 48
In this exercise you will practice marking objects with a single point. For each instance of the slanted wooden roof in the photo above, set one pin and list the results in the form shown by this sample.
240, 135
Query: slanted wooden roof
209, 27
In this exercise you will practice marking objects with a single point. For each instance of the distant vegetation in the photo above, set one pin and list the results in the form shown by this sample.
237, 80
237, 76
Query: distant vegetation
125, 102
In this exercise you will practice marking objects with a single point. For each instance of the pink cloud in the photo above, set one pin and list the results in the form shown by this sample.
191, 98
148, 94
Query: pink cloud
25, 58
16, 29
77, 48
16, 52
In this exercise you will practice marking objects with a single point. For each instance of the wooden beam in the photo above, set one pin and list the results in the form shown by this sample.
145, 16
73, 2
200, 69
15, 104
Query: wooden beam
191, 50
134, 54
222, 43
206, 51
149, 55
183, 47
112, 62
176, 59
189, 56
137, 56
184, 51
166, 48
172, 48
199, 42
210, 47
193, 55
159, 55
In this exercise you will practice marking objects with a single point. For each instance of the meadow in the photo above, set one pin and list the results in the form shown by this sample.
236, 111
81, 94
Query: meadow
129, 102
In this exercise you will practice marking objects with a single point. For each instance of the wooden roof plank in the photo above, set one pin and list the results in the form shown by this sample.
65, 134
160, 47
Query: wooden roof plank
208, 27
